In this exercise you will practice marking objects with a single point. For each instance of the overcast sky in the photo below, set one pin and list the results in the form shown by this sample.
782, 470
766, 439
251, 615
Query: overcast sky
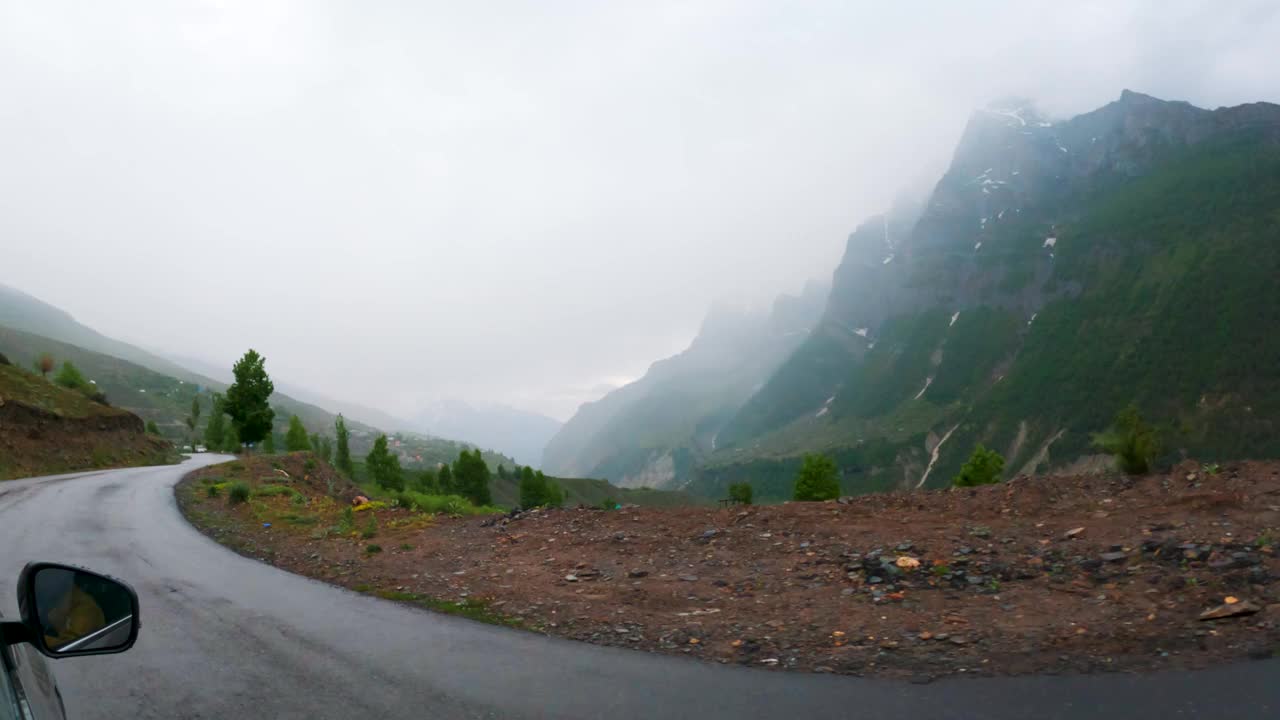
519, 202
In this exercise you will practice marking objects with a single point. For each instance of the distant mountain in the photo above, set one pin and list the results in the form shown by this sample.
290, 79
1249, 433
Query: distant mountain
1058, 271
517, 433
21, 311
129, 375
652, 432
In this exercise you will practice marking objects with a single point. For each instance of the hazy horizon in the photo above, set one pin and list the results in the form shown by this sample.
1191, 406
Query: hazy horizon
523, 203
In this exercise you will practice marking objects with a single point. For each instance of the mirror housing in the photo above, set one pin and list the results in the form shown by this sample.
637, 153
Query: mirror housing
69, 611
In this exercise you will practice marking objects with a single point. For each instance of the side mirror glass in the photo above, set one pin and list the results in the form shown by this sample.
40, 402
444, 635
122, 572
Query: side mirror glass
70, 611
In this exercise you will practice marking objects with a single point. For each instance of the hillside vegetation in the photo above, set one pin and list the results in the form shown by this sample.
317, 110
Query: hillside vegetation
1059, 273
46, 429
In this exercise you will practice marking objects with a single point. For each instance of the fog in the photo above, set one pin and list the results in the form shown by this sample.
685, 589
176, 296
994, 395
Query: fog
523, 203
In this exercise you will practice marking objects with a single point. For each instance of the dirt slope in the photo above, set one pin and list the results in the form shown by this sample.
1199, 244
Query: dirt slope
47, 429
1040, 574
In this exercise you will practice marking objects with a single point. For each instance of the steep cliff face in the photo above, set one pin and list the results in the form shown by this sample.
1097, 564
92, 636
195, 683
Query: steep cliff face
1052, 266
651, 433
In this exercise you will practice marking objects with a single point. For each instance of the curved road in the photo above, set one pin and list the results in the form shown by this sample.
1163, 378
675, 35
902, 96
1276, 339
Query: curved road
225, 636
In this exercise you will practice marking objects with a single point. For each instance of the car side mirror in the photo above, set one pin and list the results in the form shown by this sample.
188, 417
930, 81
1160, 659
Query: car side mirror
69, 611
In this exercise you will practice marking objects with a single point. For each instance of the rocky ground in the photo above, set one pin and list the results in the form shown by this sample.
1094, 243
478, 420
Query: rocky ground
1052, 574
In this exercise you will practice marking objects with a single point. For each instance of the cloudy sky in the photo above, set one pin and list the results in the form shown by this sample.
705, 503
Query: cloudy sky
518, 202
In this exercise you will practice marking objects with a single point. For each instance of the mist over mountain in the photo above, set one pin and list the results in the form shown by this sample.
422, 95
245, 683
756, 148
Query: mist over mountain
650, 433
517, 433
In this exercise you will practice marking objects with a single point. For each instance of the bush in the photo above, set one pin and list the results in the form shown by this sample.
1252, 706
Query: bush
211, 491
608, 504
536, 490
371, 528
70, 377
373, 548
741, 492
1132, 442
238, 493
152, 428
347, 521
4, 360
817, 480
983, 468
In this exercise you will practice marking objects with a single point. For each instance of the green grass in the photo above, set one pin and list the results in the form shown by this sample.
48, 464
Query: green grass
469, 608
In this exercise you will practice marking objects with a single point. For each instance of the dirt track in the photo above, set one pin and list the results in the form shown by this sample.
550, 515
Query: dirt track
1038, 574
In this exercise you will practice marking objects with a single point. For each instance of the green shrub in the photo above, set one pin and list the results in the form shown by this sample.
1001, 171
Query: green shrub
983, 468
70, 377
1132, 442
608, 504
371, 549
347, 521
211, 491
309, 466
818, 479
274, 490
741, 492
298, 499
406, 546
370, 528
238, 492
152, 428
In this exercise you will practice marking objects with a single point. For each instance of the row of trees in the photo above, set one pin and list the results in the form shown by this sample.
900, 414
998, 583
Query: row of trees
469, 476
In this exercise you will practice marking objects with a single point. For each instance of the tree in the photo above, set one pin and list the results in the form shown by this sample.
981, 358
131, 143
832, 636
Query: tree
533, 489
983, 468
70, 377
44, 364
216, 430
152, 428
502, 471
326, 449
741, 492
555, 494
383, 466
817, 479
343, 459
247, 399
426, 482
315, 443
296, 438
269, 444
1132, 441
231, 440
193, 419
444, 479
471, 477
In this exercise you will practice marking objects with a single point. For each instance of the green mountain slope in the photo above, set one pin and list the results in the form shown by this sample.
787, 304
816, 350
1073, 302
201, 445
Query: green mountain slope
651, 433
1058, 272
21, 311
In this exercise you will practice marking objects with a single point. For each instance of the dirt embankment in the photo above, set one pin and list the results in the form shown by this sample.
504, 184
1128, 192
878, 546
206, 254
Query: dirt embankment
35, 441
1046, 574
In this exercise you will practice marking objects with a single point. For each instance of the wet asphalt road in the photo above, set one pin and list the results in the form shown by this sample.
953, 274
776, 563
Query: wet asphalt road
227, 637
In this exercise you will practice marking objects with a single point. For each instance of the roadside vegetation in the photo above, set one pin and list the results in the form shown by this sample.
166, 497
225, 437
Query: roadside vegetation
48, 427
